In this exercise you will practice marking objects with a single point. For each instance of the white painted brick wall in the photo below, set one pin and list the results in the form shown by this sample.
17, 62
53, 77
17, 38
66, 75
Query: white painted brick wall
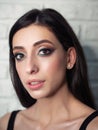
83, 17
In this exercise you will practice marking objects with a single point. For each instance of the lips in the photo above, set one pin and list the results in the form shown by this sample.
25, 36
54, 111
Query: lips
35, 84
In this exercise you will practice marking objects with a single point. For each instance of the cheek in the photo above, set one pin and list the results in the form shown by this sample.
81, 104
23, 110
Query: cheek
54, 72
20, 70
54, 67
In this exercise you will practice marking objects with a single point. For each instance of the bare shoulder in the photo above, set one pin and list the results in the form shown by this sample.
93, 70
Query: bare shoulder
4, 121
93, 124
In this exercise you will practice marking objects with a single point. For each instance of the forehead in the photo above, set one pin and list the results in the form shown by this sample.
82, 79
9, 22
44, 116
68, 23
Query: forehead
32, 34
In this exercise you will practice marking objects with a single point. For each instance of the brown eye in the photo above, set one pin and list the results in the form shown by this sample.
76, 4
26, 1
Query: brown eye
45, 51
18, 56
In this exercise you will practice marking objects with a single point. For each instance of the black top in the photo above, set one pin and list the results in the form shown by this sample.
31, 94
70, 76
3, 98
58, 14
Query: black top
83, 126
12, 120
88, 120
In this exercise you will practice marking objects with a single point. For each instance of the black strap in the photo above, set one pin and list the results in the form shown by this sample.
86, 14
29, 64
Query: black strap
87, 120
12, 120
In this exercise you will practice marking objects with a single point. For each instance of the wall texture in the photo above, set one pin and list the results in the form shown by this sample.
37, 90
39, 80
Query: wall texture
83, 17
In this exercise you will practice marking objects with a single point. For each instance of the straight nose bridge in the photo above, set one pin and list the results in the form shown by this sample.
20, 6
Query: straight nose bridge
31, 66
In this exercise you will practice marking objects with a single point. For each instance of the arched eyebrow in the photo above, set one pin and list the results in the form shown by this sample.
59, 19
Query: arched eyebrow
42, 41
35, 44
18, 47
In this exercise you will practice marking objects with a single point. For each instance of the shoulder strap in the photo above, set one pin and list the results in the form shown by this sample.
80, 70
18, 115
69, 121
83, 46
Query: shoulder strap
88, 119
12, 120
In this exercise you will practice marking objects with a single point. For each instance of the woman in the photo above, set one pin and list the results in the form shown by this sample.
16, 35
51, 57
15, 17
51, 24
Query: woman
49, 74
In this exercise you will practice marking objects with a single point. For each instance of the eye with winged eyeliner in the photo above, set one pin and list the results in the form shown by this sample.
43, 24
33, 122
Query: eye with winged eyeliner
19, 56
45, 51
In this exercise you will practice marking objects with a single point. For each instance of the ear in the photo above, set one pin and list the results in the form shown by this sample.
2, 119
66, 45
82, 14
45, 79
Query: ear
71, 57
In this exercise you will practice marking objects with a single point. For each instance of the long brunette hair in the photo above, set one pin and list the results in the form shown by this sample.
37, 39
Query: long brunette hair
77, 77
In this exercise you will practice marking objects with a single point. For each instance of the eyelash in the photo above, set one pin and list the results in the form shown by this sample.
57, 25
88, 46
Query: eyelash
45, 51
18, 56
42, 52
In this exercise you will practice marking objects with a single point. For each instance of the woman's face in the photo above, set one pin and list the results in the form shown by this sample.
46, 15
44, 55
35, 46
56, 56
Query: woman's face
40, 61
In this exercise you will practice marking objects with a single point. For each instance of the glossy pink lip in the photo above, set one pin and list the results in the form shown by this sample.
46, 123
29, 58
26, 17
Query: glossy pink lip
35, 84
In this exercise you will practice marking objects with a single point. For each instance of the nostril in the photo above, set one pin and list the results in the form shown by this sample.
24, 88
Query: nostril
32, 69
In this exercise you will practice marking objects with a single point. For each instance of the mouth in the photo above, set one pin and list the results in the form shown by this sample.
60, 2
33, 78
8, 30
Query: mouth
35, 84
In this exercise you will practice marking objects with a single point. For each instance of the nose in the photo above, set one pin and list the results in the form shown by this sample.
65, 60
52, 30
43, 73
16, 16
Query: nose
31, 67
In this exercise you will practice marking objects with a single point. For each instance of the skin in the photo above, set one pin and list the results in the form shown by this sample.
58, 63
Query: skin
56, 108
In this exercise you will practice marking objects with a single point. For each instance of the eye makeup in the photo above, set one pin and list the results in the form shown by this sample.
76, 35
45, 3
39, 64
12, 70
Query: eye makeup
45, 51
19, 56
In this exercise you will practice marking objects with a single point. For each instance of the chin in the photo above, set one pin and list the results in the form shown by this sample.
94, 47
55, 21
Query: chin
38, 95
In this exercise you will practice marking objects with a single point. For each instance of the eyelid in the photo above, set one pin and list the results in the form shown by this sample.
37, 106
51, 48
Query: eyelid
17, 54
46, 49
48, 46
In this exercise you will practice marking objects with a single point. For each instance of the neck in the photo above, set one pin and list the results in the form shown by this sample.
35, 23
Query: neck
55, 107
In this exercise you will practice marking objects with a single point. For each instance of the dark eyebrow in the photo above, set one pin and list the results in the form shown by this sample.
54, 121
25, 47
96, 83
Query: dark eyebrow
42, 41
18, 47
35, 44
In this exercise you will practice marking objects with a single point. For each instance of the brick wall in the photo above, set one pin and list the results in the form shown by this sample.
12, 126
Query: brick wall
83, 17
